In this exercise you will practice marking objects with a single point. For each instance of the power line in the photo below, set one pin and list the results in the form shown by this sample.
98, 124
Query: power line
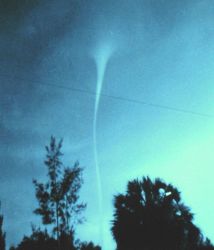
120, 98
130, 100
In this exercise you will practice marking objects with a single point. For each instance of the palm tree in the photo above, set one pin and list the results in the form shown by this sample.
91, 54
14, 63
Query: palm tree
152, 216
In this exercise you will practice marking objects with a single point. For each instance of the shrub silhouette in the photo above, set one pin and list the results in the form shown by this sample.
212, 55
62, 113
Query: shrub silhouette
40, 240
89, 246
151, 216
37, 241
2, 234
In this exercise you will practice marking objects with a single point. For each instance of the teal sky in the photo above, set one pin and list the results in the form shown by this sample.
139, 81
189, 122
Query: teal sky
163, 55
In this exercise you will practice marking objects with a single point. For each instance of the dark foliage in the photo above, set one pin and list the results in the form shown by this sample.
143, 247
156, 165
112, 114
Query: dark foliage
40, 240
59, 205
2, 234
37, 241
59, 197
152, 216
89, 246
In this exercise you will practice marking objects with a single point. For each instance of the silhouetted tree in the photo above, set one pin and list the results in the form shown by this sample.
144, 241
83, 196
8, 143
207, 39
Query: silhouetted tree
89, 246
59, 197
151, 216
39, 240
2, 233
206, 245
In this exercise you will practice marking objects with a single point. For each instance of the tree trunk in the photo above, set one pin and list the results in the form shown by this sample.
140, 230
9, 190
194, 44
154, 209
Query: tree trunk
57, 226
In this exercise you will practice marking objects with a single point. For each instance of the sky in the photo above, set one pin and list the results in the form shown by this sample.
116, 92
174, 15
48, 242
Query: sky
162, 57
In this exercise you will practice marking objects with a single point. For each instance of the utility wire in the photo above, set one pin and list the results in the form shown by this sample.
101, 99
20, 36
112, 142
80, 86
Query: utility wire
119, 98
130, 100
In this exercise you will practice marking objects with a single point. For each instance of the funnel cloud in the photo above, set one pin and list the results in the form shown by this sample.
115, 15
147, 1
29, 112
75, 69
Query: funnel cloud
154, 51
